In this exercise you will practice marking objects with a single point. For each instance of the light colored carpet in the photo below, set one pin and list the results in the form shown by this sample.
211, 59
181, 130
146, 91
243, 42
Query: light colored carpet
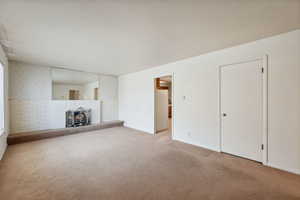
124, 164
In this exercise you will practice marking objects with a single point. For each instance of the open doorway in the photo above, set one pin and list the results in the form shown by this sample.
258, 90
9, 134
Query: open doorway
163, 106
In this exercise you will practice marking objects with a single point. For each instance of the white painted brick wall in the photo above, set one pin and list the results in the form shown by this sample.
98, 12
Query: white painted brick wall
29, 82
27, 115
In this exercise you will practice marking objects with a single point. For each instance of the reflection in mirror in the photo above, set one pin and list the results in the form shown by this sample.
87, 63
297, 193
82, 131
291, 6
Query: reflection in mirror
74, 85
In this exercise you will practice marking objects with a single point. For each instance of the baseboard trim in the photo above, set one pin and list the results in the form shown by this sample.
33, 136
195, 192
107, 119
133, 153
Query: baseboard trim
3, 151
4, 143
292, 171
126, 126
195, 144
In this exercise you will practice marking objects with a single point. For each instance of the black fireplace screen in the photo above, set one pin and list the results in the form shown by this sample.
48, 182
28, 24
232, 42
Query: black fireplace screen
79, 117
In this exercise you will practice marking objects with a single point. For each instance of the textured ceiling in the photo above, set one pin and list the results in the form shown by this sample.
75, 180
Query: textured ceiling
123, 36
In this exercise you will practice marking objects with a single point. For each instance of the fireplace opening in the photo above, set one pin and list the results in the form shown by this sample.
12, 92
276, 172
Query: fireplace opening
78, 117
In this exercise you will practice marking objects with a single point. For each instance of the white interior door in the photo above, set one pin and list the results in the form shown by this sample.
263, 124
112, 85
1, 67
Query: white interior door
242, 109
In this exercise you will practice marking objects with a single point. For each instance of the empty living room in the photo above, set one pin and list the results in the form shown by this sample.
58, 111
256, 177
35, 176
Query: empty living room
150, 100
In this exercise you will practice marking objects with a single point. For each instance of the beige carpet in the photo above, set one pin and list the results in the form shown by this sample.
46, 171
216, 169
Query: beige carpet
124, 164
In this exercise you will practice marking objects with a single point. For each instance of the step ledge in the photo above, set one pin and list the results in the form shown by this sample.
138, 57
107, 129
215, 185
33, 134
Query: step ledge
16, 138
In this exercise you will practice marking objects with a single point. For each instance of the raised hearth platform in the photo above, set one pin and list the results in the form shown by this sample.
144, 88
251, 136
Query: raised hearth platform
17, 138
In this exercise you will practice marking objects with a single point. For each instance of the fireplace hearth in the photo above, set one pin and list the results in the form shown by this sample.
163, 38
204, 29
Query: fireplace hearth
78, 117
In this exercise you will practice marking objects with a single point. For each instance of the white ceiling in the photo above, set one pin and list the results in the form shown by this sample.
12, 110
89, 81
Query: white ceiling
121, 36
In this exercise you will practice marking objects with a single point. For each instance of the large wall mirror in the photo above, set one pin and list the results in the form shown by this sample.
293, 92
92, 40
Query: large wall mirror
74, 85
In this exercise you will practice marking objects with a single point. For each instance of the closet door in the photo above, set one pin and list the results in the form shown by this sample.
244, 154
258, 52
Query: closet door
241, 110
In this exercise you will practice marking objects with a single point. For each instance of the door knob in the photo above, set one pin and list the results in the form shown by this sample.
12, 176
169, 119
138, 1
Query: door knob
224, 114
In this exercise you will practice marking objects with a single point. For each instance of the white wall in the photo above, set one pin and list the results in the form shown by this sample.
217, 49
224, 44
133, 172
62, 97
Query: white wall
109, 97
197, 79
29, 82
3, 137
30, 90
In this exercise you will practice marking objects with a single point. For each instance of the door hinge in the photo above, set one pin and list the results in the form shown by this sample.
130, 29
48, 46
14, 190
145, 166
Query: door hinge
262, 147
262, 70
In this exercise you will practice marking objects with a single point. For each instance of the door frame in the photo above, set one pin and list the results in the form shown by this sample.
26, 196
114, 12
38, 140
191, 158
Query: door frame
3, 100
264, 63
173, 103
